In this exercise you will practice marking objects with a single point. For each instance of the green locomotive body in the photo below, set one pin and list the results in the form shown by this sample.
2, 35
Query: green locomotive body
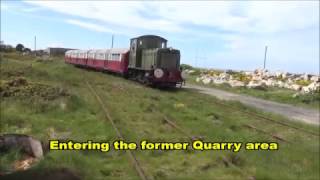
152, 62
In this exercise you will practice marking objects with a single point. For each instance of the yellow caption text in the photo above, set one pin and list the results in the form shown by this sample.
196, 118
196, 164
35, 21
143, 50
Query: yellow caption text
197, 145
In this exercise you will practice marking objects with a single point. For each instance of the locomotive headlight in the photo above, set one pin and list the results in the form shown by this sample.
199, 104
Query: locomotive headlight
158, 73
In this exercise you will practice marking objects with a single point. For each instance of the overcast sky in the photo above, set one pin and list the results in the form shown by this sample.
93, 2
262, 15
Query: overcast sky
218, 34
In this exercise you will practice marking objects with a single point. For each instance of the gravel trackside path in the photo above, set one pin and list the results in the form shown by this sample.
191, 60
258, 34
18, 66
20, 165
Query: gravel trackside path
291, 112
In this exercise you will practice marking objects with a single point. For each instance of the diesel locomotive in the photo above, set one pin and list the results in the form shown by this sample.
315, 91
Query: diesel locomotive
148, 61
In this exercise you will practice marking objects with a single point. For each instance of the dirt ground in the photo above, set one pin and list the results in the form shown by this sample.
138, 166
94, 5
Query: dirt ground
291, 112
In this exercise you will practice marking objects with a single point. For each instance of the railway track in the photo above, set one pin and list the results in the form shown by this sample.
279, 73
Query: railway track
131, 155
264, 132
191, 137
167, 120
261, 117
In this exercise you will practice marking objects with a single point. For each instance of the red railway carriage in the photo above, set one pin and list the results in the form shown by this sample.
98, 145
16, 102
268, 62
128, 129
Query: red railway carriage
67, 57
73, 57
97, 59
82, 57
115, 60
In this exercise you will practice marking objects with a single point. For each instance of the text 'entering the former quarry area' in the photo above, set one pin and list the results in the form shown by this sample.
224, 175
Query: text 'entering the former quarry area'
197, 145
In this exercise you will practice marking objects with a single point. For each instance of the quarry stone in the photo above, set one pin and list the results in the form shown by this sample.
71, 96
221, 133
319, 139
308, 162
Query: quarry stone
262, 78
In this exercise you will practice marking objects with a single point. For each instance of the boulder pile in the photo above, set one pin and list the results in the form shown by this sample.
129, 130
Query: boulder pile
261, 79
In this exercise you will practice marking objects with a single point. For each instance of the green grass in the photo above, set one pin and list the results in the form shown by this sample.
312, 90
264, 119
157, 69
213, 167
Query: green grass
79, 117
274, 94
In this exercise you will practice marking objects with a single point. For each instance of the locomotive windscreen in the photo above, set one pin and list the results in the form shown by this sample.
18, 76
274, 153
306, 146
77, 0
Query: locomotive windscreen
169, 59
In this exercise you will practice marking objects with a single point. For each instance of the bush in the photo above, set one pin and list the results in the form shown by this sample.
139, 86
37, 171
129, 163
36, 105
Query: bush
242, 77
19, 47
196, 72
186, 66
214, 73
6, 48
303, 82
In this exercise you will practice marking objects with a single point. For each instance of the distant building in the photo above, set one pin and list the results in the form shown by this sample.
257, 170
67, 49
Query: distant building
55, 51
39, 52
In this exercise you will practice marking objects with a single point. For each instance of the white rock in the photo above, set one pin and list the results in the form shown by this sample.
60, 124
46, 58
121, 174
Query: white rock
198, 79
224, 76
286, 85
256, 78
314, 86
259, 71
284, 75
206, 80
270, 74
290, 81
306, 89
298, 78
26, 143
295, 87
218, 81
255, 84
268, 82
306, 77
280, 84
36, 147
278, 74
235, 83
315, 78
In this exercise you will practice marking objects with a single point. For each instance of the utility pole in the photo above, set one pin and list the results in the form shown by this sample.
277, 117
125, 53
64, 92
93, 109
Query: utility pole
265, 57
112, 41
35, 45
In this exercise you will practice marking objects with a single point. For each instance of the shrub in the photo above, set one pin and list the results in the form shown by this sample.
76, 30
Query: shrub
303, 82
186, 66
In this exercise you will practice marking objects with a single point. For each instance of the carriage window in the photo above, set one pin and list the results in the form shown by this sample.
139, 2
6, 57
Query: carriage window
140, 42
162, 45
115, 57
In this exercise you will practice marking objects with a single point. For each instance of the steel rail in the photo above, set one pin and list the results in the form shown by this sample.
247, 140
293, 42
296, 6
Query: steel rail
132, 156
264, 132
193, 138
258, 116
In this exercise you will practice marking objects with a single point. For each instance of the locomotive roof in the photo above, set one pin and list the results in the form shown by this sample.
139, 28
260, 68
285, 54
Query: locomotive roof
150, 36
